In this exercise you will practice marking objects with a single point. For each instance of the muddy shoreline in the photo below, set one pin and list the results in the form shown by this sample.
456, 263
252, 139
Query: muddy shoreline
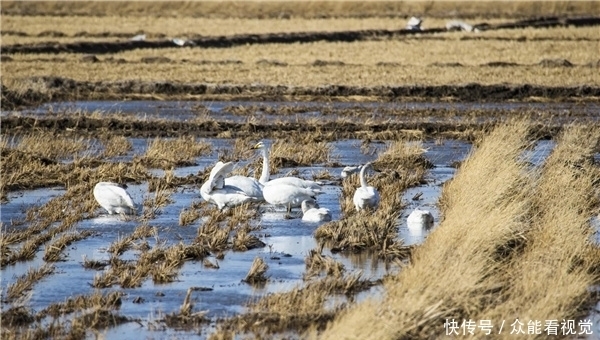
63, 89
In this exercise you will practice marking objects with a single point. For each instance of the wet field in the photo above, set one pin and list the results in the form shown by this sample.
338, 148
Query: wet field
287, 242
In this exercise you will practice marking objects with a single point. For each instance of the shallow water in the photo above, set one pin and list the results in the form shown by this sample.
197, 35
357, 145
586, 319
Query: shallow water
189, 110
288, 242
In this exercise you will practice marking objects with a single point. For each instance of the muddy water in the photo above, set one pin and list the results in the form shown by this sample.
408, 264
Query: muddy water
288, 242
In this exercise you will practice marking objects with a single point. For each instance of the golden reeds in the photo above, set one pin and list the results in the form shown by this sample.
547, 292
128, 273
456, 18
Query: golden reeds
485, 209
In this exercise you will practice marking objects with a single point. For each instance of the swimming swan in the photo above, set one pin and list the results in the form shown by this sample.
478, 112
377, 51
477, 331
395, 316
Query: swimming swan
215, 189
113, 197
312, 213
419, 220
365, 196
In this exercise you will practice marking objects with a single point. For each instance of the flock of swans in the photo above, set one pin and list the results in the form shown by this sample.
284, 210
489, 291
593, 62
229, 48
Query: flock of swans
290, 192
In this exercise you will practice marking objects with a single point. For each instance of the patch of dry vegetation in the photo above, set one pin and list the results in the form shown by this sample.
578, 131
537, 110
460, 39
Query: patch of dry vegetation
170, 153
559, 263
27, 280
174, 14
402, 165
507, 232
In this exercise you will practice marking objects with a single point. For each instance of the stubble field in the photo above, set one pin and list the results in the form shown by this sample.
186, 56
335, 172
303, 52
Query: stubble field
495, 130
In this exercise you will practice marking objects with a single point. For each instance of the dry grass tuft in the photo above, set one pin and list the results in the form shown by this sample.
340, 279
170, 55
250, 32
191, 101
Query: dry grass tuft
170, 153
191, 214
115, 146
52, 145
256, 274
53, 251
242, 240
317, 263
27, 280
186, 319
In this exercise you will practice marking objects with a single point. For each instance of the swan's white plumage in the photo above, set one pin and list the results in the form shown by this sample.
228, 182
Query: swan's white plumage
349, 170
250, 186
419, 220
215, 189
312, 213
288, 191
287, 195
114, 198
365, 196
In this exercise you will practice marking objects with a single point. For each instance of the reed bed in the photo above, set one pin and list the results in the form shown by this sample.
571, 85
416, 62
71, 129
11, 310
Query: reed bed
420, 296
167, 154
558, 245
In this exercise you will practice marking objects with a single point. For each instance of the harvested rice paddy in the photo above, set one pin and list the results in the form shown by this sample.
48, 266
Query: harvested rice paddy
495, 131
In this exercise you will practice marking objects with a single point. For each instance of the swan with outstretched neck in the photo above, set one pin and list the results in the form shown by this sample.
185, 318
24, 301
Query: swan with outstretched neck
365, 196
287, 191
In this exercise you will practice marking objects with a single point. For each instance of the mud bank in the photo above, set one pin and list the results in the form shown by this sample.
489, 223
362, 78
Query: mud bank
63, 89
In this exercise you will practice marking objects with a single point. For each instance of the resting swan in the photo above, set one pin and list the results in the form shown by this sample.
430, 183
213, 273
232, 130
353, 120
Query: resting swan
215, 189
312, 213
365, 196
288, 191
113, 197
419, 220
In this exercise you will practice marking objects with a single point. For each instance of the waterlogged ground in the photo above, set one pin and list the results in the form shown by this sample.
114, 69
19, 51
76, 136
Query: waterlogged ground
288, 241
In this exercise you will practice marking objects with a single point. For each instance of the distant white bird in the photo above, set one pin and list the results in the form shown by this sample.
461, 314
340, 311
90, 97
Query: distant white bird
289, 191
349, 170
139, 37
312, 213
216, 191
178, 42
365, 196
457, 25
113, 198
414, 24
419, 220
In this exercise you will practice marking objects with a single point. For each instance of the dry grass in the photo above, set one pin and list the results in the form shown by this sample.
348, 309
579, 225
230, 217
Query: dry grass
115, 146
256, 274
52, 145
506, 233
558, 248
26, 281
402, 165
175, 14
170, 153
54, 250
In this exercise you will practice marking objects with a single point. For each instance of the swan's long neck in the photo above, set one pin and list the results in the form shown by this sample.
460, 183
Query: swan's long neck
264, 176
363, 181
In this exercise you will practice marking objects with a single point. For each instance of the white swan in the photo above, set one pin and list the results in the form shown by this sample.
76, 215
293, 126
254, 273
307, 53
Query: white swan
288, 195
419, 220
250, 186
215, 189
113, 197
349, 170
312, 213
365, 196
266, 172
289, 191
